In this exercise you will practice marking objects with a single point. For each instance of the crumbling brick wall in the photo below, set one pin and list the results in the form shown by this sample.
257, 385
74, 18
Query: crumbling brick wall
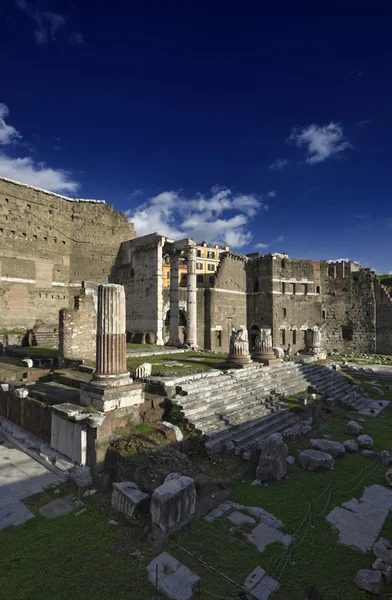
77, 331
49, 244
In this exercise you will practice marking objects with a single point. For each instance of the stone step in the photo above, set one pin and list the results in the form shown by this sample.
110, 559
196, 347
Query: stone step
277, 421
263, 423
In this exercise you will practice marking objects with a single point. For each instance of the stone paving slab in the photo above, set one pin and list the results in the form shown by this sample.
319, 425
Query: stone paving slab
263, 534
360, 522
57, 507
20, 477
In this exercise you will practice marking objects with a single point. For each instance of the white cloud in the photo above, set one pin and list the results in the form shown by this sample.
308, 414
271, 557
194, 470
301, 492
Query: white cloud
39, 175
46, 23
7, 133
321, 141
263, 246
76, 39
203, 217
279, 164
25, 170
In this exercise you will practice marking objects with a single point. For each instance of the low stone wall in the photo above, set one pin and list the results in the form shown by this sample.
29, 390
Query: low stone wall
30, 414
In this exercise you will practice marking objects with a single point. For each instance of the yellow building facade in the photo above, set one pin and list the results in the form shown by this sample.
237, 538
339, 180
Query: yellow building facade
207, 261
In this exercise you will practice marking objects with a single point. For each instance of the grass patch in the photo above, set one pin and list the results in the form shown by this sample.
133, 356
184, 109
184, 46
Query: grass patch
192, 362
137, 346
42, 351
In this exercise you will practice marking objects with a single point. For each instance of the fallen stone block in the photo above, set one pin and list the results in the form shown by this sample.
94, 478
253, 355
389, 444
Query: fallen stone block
314, 460
386, 458
370, 581
173, 503
174, 579
81, 476
350, 446
238, 518
335, 449
28, 362
144, 370
128, 499
290, 460
353, 428
386, 570
365, 441
176, 429
388, 477
272, 464
382, 549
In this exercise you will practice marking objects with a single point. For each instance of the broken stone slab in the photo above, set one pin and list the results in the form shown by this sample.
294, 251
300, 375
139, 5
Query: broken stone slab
382, 549
350, 446
353, 428
58, 507
388, 477
81, 476
370, 581
386, 570
335, 449
290, 460
314, 460
238, 518
144, 370
174, 579
272, 464
128, 499
386, 458
260, 585
263, 534
254, 578
214, 514
28, 362
175, 428
173, 503
365, 441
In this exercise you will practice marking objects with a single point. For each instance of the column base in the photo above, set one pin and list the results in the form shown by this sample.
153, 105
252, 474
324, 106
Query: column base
238, 362
111, 398
111, 381
268, 359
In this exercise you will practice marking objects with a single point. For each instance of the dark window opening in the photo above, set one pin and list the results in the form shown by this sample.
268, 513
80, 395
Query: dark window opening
199, 266
283, 287
256, 285
284, 312
200, 279
132, 273
294, 288
323, 314
212, 278
294, 336
283, 263
198, 253
317, 289
306, 289
283, 336
347, 333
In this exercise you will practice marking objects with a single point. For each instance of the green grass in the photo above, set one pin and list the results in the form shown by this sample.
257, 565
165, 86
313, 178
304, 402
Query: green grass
205, 362
136, 346
13, 332
44, 351
82, 557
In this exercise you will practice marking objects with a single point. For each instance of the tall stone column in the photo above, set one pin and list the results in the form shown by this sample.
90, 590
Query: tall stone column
174, 300
191, 330
111, 350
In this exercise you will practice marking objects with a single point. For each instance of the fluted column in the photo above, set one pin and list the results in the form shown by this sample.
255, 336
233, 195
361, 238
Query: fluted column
174, 300
111, 349
191, 330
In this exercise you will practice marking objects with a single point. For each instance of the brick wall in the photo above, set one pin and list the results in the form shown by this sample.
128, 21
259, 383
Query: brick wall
48, 245
77, 331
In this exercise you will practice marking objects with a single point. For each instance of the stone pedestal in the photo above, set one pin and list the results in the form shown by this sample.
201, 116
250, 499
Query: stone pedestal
239, 349
313, 342
263, 351
111, 386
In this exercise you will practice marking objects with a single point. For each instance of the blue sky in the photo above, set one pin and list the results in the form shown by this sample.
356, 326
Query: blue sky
268, 131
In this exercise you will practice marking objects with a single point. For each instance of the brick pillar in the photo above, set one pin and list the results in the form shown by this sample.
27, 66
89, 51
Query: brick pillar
111, 349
